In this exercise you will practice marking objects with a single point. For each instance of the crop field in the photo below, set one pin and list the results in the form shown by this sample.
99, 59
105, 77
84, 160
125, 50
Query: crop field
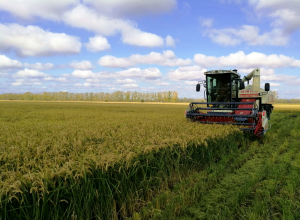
261, 180
76, 160
61, 160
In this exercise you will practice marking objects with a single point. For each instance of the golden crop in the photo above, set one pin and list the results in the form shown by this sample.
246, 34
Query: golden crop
46, 148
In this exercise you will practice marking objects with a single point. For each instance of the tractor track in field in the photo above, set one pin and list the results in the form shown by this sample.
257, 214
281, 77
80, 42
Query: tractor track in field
234, 196
228, 189
223, 185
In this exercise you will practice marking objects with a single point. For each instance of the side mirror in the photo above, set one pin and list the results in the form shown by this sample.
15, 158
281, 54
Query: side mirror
267, 87
198, 87
242, 85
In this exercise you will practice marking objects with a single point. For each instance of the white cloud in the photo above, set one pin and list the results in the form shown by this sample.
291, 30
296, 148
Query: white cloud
130, 86
34, 41
263, 71
28, 73
113, 85
48, 9
150, 73
26, 82
188, 73
39, 66
120, 8
134, 36
285, 12
286, 20
82, 65
252, 60
191, 83
123, 76
111, 61
58, 79
167, 58
271, 84
3, 73
125, 81
103, 16
106, 26
97, 44
162, 83
7, 63
279, 78
84, 74
249, 34
206, 22
170, 42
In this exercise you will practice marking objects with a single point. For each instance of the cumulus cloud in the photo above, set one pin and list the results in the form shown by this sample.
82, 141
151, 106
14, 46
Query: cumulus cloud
248, 34
58, 79
206, 22
279, 78
130, 86
104, 17
7, 63
161, 83
34, 41
48, 9
127, 84
28, 73
188, 73
167, 58
125, 81
285, 12
271, 84
53, 9
82, 65
120, 8
150, 73
286, 20
242, 60
97, 44
191, 83
26, 82
134, 36
132, 73
107, 26
84, 74
170, 42
263, 71
39, 66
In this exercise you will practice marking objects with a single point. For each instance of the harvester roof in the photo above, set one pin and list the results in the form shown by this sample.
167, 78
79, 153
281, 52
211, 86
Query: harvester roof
221, 72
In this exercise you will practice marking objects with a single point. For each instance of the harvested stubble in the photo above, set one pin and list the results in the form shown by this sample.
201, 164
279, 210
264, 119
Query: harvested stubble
98, 161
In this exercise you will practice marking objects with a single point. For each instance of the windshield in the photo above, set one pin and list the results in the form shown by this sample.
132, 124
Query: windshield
218, 88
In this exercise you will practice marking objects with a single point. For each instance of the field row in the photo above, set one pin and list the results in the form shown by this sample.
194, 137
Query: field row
257, 181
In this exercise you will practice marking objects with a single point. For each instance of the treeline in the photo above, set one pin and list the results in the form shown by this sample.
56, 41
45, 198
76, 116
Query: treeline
288, 101
118, 96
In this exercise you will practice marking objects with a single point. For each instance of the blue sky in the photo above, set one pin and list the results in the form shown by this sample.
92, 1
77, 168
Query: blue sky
146, 46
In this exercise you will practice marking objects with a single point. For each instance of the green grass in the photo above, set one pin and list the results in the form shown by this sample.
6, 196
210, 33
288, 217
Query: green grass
257, 181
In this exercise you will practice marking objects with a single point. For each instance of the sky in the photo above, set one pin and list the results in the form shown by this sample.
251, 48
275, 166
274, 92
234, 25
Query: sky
81, 46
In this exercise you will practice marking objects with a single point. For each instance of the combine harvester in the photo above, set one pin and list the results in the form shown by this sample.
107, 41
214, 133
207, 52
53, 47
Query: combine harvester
230, 102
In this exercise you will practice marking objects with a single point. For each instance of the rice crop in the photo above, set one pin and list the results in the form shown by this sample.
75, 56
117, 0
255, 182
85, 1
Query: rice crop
286, 108
259, 180
98, 161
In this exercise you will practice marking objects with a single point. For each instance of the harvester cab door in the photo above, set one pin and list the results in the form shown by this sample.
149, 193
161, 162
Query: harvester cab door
218, 87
